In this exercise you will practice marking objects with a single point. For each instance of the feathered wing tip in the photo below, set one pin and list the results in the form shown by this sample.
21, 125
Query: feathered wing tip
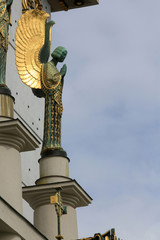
30, 37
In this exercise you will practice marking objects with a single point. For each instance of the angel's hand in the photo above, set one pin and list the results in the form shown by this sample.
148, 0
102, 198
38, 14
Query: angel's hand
63, 70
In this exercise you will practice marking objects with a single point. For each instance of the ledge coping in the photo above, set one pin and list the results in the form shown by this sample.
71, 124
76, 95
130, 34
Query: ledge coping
13, 222
15, 134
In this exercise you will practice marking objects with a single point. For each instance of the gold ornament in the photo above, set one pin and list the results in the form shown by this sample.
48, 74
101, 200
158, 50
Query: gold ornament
30, 37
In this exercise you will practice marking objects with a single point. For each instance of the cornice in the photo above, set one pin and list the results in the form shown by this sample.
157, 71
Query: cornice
13, 133
72, 194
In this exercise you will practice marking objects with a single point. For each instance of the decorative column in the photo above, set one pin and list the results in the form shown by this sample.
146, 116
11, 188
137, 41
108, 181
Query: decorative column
14, 138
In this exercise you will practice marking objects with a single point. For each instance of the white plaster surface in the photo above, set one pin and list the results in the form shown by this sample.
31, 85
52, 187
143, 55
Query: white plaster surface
54, 166
49, 226
10, 176
14, 224
7, 236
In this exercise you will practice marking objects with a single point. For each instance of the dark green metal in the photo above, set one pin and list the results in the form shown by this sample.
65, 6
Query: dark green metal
64, 210
45, 50
5, 10
53, 104
60, 210
110, 234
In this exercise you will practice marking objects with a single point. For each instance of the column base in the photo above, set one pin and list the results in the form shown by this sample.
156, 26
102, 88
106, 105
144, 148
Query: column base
53, 168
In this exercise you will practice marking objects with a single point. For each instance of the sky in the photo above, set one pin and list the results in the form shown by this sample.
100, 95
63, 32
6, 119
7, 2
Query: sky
111, 119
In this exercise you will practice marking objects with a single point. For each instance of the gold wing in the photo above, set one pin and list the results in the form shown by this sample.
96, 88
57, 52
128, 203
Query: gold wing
30, 37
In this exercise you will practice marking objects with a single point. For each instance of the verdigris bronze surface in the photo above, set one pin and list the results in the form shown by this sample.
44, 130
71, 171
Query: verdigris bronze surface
52, 85
5, 11
33, 41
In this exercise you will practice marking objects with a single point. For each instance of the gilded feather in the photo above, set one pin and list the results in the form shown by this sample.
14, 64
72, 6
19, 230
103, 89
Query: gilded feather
30, 38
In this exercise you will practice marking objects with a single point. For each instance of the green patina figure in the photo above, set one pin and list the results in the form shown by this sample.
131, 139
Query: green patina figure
41, 75
52, 86
5, 12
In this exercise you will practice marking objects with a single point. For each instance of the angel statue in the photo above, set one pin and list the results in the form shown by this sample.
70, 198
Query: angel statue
5, 12
52, 86
32, 50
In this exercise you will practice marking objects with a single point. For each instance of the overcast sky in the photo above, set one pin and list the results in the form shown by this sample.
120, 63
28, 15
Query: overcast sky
111, 120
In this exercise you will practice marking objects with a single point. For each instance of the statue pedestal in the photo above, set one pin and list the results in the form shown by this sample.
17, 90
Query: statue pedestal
54, 173
53, 169
6, 104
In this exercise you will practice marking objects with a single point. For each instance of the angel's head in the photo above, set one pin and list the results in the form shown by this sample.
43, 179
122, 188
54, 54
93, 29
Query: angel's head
59, 54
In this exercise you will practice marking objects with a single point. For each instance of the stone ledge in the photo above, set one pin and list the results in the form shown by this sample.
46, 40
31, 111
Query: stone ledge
72, 194
13, 222
13, 133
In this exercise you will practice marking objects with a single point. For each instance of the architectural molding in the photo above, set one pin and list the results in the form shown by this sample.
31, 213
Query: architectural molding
72, 194
14, 134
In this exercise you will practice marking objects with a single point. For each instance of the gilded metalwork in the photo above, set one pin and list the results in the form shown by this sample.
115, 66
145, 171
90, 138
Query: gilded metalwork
50, 76
109, 235
6, 106
5, 12
30, 37
31, 4
63, 5
32, 50
54, 199
60, 209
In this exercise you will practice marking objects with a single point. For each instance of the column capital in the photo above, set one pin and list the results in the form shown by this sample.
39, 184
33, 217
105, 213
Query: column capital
72, 194
15, 134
